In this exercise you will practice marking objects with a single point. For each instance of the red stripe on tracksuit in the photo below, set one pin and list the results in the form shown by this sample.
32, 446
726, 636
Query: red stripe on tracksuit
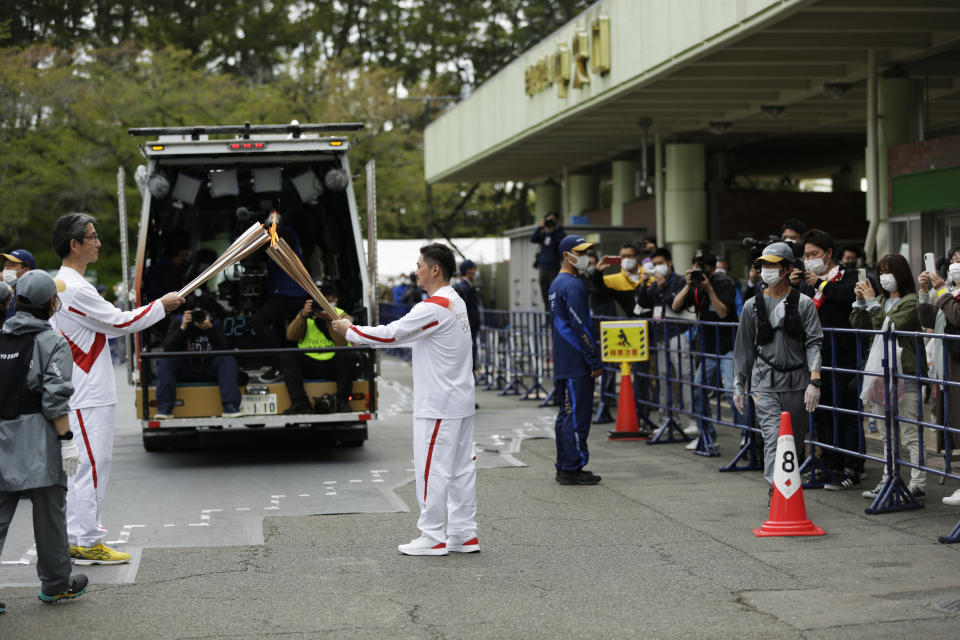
86, 442
432, 324
139, 315
362, 334
426, 470
85, 359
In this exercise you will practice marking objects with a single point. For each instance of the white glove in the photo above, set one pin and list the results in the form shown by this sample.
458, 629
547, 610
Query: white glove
739, 401
811, 398
71, 457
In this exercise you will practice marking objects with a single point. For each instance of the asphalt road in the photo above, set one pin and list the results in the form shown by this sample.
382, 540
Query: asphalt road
662, 548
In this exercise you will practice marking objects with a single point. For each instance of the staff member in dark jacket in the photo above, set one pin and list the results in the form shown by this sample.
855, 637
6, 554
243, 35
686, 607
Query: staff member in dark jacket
576, 362
831, 288
471, 297
37, 451
196, 331
713, 298
548, 235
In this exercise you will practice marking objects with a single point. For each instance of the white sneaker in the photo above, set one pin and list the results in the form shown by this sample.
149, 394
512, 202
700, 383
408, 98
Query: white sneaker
163, 416
692, 445
461, 544
423, 546
691, 429
232, 414
952, 500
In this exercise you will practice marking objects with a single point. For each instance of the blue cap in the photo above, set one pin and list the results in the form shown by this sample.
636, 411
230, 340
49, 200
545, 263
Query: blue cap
21, 255
466, 265
574, 243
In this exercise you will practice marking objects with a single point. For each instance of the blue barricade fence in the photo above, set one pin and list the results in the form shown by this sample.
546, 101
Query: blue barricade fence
690, 377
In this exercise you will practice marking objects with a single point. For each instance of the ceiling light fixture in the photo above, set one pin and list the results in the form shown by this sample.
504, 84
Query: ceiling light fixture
719, 127
772, 111
836, 89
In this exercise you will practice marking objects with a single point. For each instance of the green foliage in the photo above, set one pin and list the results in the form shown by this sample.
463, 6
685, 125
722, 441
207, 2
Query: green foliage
75, 74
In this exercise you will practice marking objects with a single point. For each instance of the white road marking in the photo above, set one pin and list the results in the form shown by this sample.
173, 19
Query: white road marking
304, 495
169, 525
199, 524
242, 509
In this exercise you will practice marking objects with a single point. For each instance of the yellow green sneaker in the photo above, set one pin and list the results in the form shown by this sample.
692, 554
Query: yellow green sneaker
99, 554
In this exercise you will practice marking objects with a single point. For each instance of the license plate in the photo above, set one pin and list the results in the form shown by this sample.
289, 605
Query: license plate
258, 405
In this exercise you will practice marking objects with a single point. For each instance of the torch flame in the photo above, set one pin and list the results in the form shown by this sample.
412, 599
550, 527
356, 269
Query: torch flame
273, 231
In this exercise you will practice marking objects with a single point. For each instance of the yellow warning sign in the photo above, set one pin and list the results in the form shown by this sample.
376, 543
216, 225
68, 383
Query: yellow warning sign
624, 341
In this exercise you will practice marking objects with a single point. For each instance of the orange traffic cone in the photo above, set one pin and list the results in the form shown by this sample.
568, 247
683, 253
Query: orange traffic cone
788, 514
628, 427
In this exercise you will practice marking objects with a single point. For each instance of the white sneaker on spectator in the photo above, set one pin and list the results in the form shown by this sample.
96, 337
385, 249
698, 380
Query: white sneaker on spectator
163, 416
952, 500
692, 445
873, 493
691, 429
423, 546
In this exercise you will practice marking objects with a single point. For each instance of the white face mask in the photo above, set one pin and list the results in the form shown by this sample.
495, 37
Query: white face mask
953, 272
580, 262
770, 275
661, 270
816, 266
889, 282
10, 276
629, 264
719, 270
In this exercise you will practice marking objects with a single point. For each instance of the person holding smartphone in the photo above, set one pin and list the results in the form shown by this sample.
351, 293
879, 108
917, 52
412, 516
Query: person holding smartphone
623, 285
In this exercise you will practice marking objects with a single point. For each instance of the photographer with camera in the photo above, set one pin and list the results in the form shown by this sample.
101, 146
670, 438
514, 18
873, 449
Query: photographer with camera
196, 331
311, 329
548, 235
712, 297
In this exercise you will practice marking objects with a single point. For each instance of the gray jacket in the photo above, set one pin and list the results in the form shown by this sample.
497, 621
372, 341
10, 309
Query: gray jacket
782, 350
29, 448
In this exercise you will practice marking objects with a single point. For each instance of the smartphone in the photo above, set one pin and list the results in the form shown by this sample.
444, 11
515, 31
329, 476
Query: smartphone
614, 260
929, 263
861, 275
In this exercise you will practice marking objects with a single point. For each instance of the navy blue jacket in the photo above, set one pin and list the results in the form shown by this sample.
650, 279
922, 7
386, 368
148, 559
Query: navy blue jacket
654, 296
549, 241
576, 352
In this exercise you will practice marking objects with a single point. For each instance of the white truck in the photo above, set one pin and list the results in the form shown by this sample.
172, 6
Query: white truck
200, 188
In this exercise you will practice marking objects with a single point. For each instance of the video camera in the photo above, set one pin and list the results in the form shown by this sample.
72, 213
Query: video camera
755, 247
199, 315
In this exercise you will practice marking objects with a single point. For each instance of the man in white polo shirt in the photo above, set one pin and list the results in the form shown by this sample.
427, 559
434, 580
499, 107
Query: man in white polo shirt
86, 320
438, 331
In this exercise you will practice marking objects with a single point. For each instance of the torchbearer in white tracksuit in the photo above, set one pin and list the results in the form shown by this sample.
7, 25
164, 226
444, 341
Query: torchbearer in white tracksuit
438, 331
86, 320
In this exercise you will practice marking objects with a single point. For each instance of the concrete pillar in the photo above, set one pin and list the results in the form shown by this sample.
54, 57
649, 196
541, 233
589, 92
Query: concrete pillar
624, 188
900, 121
582, 193
685, 198
547, 198
661, 230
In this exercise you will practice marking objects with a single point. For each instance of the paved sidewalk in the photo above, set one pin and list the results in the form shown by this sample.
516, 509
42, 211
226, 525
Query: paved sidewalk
662, 548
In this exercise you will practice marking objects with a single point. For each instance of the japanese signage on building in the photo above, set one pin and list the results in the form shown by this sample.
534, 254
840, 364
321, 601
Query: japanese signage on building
588, 54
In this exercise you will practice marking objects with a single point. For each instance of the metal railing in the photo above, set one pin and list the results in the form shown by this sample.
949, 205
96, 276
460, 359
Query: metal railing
685, 370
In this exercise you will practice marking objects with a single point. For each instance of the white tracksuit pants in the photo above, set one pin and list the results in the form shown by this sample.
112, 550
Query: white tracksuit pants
446, 470
93, 432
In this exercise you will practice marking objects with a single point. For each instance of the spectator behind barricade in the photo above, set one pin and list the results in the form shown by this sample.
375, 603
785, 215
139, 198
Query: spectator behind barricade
622, 285
284, 299
896, 306
754, 283
831, 287
659, 296
792, 231
712, 297
400, 290
938, 309
414, 293
576, 363
6, 296
17, 263
649, 246
548, 235
852, 257
723, 267
778, 351
311, 329
471, 297
601, 304
196, 330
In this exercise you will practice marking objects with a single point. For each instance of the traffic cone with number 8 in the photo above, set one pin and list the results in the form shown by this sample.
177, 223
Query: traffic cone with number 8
788, 514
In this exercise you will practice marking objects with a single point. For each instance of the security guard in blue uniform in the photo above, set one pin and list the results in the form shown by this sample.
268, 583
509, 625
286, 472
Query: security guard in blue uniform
576, 362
